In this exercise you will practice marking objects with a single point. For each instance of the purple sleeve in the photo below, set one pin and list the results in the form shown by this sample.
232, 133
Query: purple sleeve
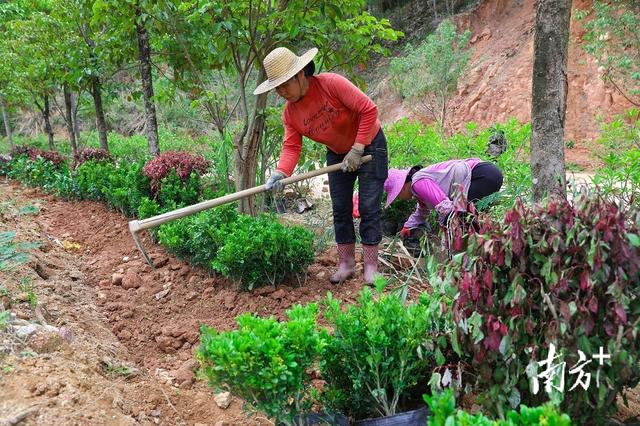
428, 192
417, 218
429, 195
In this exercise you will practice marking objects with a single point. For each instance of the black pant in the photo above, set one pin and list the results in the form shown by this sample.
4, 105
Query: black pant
371, 177
486, 179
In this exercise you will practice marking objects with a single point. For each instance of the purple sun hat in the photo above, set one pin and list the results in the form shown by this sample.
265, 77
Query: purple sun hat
394, 183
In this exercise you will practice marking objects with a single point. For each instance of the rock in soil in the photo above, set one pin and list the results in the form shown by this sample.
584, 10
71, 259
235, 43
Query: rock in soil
229, 300
161, 294
116, 279
191, 365
131, 280
159, 260
22, 297
223, 399
184, 377
46, 342
42, 271
278, 294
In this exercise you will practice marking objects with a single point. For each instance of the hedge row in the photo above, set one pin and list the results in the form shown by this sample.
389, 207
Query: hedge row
250, 251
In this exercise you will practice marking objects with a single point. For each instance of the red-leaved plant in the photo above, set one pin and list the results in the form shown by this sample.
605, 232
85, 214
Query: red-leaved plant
35, 153
95, 154
182, 163
565, 273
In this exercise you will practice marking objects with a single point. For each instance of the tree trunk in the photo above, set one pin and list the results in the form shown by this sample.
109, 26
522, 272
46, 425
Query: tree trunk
144, 50
246, 151
101, 124
7, 125
46, 114
549, 98
75, 104
68, 107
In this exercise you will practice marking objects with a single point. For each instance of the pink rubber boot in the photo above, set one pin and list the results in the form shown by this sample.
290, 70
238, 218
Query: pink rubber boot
370, 256
347, 266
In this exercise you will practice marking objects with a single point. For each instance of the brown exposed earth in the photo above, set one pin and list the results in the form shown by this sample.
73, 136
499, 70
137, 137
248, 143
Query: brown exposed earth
128, 352
497, 85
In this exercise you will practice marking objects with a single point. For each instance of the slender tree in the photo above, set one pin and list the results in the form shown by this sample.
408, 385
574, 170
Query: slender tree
101, 123
98, 53
45, 110
549, 98
128, 20
442, 58
34, 49
68, 118
612, 37
7, 124
144, 51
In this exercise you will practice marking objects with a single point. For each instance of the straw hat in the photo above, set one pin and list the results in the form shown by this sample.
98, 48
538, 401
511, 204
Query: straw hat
282, 64
394, 183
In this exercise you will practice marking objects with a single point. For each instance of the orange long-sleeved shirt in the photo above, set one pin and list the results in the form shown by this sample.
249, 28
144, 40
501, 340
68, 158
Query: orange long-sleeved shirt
333, 112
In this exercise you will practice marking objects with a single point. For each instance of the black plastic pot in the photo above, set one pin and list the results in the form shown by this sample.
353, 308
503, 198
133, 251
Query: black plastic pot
408, 418
318, 419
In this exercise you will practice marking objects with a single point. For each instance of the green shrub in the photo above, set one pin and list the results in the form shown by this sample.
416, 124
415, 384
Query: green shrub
52, 178
266, 362
93, 178
562, 274
125, 188
175, 192
148, 208
63, 184
36, 172
619, 179
394, 216
124, 148
441, 58
199, 237
380, 350
444, 413
260, 251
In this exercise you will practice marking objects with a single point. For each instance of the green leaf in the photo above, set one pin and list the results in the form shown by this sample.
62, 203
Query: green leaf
634, 239
440, 359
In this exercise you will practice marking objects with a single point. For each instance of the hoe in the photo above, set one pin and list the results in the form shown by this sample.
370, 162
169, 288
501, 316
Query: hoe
136, 226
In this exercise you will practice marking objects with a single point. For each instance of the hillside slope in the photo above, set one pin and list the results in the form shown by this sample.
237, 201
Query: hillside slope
498, 83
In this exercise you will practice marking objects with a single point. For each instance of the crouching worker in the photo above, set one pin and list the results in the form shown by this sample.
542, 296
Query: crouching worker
328, 109
445, 187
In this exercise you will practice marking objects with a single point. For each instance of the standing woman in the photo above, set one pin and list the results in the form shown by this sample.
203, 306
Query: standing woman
331, 110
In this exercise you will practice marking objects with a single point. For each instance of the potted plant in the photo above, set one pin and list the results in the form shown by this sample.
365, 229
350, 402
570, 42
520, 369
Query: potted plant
444, 413
267, 364
380, 350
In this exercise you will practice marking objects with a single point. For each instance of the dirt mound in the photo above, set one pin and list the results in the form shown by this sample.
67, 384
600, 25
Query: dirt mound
130, 357
498, 83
